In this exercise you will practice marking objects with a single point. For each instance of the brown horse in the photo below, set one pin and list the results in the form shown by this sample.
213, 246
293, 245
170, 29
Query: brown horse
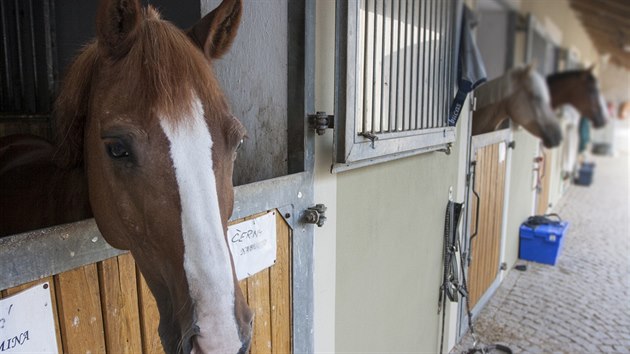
580, 89
522, 96
142, 117
34, 191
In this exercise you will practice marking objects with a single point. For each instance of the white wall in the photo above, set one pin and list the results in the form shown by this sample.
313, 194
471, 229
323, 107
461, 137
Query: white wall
325, 238
378, 258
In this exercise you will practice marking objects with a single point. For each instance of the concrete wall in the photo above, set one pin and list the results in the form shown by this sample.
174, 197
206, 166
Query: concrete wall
558, 15
614, 82
378, 258
492, 41
325, 239
390, 221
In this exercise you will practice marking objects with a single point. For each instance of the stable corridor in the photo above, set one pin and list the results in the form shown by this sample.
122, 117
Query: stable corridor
582, 304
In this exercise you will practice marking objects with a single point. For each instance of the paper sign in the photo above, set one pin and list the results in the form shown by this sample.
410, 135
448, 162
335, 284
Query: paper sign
26, 322
253, 245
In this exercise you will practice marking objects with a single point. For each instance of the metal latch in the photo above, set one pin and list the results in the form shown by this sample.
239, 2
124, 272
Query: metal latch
321, 121
315, 215
370, 136
512, 144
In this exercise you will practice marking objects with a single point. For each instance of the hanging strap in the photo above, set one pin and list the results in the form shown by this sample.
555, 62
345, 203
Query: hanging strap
451, 285
471, 71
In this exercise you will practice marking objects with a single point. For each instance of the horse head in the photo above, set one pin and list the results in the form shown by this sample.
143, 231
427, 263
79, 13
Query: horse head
530, 106
141, 109
580, 89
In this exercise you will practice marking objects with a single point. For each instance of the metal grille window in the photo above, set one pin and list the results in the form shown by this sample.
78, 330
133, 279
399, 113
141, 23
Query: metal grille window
541, 48
396, 65
27, 70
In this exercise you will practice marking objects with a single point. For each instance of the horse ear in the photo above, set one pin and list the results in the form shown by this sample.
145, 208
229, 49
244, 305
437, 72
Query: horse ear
532, 66
216, 31
591, 68
116, 24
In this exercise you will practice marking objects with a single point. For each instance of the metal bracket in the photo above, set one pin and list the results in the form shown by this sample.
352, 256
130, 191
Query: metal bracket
315, 215
446, 149
320, 121
512, 144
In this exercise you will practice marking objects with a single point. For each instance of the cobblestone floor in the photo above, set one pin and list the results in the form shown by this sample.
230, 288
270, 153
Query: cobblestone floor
581, 305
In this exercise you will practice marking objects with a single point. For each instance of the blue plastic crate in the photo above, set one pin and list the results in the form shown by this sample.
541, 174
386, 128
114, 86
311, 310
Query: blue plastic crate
543, 243
585, 174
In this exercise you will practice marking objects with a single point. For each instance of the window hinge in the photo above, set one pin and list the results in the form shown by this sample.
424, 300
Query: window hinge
320, 121
315, 215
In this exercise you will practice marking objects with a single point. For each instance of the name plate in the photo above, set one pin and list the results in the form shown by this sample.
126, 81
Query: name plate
253, 244
26, 322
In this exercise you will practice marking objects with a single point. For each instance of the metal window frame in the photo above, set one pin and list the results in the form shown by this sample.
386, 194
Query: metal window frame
535, 28
352, 150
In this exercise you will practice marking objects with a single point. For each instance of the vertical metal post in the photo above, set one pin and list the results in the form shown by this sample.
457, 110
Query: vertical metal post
392, 79
381, 115
33, 53
374, 80
19, 50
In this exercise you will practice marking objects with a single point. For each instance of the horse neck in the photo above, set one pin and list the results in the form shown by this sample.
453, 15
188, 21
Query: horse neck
487, 118
492, 102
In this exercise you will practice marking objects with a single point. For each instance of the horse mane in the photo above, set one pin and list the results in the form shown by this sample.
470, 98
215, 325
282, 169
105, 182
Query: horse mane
571, 74
496, 90
164, 72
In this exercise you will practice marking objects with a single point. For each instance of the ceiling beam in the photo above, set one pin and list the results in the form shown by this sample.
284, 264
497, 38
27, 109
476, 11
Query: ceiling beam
594, 11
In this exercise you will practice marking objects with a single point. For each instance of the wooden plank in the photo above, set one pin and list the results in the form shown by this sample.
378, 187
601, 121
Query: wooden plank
149, 318
119, 300
53, 296
490, 180
259, 301
79, 305
280, 279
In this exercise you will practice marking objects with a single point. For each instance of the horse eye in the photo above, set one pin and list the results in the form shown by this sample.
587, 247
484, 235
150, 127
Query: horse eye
240, 143
117, 150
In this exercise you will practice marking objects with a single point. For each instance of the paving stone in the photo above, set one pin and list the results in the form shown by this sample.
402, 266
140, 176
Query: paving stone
580, 305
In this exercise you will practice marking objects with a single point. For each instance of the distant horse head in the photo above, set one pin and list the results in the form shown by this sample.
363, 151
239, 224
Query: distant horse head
580, 89
141, 109
522, 96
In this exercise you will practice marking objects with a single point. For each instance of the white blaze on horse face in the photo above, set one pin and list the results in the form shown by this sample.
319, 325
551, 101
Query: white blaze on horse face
539, 84
206, 259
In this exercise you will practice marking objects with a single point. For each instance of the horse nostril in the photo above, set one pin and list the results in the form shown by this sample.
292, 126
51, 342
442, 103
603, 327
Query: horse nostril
245, 348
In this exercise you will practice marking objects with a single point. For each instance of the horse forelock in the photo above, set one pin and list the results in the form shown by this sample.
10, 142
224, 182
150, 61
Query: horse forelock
163, 73
170, 72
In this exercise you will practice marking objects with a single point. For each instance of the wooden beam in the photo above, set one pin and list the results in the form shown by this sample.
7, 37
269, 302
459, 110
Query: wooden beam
591, 11
615, 6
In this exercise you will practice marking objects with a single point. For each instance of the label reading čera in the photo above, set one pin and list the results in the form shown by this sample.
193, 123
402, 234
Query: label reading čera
253, 244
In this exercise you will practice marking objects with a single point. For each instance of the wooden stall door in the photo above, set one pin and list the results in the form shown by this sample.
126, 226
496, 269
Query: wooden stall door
485, 246
106, 307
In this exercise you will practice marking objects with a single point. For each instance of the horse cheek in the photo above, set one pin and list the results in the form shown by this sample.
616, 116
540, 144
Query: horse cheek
104, 208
